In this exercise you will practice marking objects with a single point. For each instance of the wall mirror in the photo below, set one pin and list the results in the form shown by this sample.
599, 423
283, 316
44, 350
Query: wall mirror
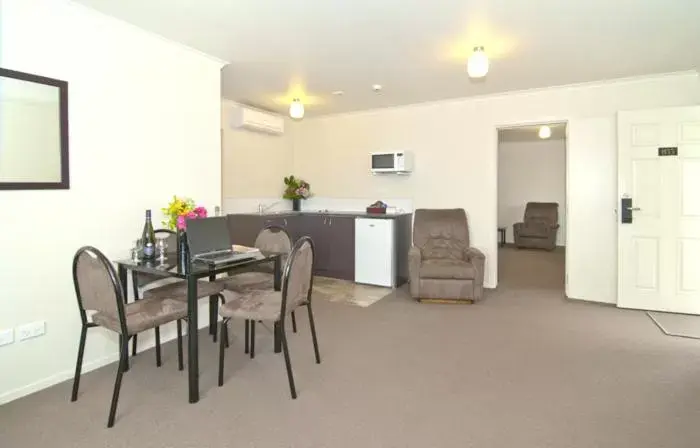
33, 132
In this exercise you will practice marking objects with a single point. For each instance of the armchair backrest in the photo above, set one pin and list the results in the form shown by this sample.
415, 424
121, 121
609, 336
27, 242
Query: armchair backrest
441, 233
542, 211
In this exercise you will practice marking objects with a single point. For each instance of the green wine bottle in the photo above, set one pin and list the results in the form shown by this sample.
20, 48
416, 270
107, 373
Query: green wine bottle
148, 237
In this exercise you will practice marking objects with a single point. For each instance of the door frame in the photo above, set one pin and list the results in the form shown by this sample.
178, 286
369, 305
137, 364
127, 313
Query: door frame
521, 123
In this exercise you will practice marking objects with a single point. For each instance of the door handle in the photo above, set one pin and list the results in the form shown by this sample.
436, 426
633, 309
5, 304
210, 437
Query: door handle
330, 221
634, 209
285, 222
324, 221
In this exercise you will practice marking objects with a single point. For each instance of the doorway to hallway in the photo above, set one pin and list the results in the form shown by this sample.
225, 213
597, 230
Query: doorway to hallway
532, 206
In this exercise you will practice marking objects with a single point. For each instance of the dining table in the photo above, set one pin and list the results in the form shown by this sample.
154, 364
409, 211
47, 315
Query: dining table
167, 266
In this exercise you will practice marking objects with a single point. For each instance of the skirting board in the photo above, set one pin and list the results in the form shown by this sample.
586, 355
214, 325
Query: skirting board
87, 367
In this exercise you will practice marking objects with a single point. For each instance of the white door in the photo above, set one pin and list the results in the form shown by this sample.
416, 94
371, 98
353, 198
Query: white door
659, 170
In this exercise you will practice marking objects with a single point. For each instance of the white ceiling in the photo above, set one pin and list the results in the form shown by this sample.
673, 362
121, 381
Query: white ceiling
531, 133
417, 49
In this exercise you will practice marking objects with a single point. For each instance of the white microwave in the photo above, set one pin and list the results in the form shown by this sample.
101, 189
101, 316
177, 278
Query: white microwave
400, 162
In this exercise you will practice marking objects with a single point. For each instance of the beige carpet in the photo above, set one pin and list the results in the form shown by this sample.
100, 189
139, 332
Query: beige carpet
344, 291
522, 369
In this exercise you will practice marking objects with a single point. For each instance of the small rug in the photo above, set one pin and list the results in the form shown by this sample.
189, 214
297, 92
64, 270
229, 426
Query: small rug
681, 325
344, 291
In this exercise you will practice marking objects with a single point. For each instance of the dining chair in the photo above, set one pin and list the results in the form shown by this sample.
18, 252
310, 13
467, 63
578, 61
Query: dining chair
269, 305
272, 238
98, 290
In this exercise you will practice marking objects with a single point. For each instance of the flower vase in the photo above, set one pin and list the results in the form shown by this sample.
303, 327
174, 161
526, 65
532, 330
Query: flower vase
296, 204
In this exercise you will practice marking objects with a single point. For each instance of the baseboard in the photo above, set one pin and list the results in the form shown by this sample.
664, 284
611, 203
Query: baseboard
87, 367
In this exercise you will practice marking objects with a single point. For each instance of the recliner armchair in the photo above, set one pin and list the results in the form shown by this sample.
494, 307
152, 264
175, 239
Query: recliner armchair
539, 227
442, 266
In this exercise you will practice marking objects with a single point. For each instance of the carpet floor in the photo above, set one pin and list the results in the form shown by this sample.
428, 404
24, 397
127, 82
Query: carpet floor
523, 368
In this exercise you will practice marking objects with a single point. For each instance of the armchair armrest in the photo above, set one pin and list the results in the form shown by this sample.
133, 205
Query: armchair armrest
414, 261
478, 259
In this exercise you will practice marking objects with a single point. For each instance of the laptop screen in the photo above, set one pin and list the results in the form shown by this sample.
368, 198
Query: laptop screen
208, 235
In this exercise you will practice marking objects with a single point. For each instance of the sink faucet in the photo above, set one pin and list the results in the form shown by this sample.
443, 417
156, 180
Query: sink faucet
262, 208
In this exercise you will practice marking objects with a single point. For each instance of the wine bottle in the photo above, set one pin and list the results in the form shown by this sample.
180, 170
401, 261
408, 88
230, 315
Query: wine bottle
148, 237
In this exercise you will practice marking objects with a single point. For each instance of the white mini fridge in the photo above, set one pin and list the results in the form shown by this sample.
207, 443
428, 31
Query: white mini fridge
375, 261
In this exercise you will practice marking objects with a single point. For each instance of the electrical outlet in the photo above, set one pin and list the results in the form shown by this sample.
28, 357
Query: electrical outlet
31, 330
7, 337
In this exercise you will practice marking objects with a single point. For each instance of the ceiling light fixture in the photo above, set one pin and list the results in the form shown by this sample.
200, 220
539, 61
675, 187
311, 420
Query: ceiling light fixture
296, 109
545, 132
377, 87
478, 63
338, 93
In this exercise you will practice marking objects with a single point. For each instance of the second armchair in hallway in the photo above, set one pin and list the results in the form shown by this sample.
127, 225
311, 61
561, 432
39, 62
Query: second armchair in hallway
539, 227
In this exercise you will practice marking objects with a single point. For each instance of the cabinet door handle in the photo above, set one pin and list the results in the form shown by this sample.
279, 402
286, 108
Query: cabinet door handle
330, 221
285, 222
324, 220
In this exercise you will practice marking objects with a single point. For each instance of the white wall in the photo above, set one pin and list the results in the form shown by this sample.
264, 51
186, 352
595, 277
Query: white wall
254, 164
531, 171
455, 146
144, 125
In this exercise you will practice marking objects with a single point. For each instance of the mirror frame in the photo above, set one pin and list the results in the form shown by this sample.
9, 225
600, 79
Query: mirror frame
64, 183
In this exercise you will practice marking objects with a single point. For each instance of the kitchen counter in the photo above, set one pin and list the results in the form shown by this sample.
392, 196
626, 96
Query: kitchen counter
333, 234
330, 213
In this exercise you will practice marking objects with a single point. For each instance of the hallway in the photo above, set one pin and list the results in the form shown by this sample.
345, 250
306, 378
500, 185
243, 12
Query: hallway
531, 269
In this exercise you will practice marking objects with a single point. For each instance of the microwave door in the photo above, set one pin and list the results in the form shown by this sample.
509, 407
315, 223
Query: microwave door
382, 161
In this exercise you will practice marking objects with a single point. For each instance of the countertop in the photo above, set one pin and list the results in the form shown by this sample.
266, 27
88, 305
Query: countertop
331, 213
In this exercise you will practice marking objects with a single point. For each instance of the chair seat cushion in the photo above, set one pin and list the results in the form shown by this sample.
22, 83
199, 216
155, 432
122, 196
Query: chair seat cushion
255, 280
252, 303
533, 228
447, 268
143, 314
178, 290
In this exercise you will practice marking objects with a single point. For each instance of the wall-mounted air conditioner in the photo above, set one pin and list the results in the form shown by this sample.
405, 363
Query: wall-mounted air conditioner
242, 117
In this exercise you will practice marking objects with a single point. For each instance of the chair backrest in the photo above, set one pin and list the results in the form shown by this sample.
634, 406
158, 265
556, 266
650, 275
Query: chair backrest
274, 239
297, 277
441, 233
542, 211
96, 285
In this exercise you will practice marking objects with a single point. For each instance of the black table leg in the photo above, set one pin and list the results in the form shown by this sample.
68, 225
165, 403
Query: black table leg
121, 272
192, 339
277, 331
213, 311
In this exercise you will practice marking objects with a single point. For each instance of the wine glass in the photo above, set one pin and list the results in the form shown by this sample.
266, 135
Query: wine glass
162, 246
137, 250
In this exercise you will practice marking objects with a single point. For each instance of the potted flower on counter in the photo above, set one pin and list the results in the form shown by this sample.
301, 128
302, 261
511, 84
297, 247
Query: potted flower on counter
296, 190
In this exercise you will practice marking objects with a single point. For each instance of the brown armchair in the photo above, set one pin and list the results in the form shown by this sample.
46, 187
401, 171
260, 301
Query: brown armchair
442, 266
539, 227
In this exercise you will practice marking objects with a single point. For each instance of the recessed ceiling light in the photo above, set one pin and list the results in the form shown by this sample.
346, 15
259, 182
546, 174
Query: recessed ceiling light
545, 132
338, 93
377, 87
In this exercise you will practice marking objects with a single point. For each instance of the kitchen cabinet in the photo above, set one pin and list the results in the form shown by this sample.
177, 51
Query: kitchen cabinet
333, 238
340, 234
333, 235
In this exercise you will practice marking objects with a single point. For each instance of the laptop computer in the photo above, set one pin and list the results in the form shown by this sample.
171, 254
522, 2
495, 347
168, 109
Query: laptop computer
209, 242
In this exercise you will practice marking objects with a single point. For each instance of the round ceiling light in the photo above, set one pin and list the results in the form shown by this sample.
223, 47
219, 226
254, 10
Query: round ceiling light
545, 132
478, 63
296, 109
